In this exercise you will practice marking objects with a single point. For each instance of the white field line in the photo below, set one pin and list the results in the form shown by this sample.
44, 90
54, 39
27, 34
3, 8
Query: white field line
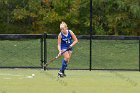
4, 74
8, 76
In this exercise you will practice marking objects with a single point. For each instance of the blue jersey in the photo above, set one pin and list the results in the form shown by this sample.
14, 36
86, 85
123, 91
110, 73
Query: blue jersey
66, 41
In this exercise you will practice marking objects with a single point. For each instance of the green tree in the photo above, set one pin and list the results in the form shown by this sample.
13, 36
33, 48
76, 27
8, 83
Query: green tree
116, 17
47, 14
110, 17
32, 13
70, 11
7, 23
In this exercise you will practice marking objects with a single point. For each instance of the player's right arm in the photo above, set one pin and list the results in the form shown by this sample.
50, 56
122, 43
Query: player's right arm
59, 43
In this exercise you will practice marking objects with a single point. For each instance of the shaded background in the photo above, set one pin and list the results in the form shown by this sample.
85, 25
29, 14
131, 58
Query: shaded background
110, 17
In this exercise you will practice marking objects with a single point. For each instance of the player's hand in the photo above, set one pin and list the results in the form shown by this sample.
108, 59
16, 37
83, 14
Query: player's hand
70, 47
59, 54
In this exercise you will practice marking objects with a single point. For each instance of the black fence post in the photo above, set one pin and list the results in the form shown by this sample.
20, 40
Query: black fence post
90, 65
41, 51
139, 55
45, 51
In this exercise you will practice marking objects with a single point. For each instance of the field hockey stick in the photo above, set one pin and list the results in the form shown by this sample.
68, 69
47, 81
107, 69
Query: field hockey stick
45, 65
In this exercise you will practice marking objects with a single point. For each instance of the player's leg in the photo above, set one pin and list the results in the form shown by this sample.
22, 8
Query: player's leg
70, 52
64, 64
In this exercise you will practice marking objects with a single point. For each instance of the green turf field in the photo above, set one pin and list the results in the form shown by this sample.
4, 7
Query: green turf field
20, 81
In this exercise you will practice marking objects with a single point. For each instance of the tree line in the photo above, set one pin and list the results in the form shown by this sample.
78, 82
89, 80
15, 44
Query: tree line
110, 17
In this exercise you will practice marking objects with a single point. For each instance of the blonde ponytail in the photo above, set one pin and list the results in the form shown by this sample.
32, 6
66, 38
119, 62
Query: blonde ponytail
64, 24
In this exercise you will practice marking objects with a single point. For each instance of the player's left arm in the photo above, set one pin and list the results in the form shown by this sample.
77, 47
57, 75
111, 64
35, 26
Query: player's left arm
75, 40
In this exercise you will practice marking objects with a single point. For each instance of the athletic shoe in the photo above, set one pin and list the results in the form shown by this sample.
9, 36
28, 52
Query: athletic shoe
60, 74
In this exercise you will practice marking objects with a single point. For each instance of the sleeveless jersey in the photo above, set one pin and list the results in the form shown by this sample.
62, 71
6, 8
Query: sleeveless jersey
66, 41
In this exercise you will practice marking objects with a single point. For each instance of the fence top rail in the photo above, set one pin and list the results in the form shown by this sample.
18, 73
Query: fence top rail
99, 37
54, 36
116, 37
20, 36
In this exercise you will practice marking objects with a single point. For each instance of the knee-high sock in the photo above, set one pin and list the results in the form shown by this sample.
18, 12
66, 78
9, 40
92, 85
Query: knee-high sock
64, 66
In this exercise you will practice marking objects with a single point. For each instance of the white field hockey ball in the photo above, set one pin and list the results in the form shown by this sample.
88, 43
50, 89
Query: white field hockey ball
33, 75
